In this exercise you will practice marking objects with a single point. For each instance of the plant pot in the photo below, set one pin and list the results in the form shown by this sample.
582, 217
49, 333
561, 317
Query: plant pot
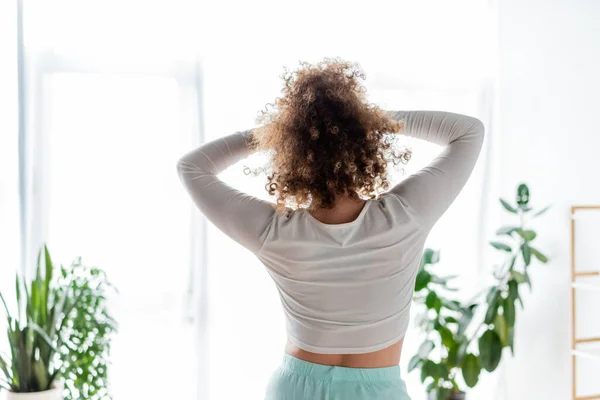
454, 396
55, 393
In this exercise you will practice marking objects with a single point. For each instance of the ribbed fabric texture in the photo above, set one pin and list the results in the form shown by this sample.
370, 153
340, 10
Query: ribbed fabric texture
346, 288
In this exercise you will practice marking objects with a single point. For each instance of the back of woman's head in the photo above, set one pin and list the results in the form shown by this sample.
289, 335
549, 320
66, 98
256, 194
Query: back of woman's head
326, 139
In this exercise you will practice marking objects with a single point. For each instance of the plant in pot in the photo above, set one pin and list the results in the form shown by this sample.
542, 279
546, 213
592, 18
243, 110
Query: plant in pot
59, 333
462, 338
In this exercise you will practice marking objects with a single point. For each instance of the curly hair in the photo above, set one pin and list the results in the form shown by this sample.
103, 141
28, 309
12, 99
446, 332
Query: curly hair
326, 139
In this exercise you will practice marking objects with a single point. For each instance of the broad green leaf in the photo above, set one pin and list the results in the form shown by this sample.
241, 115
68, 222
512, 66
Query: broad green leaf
414, 362
526, 250
522, 195
430, 300
464, 322
462, 350
452, 357
491, 294
518, 276
501, 246
425, 348
508, 308
508, 207
471, 368
492, 310
435, 257
446, 337
443, 393
442, 280
430, 388
437, 305
428, 369
527, 279
528, 235
538, 255
491, 313
513, 290
423, 278
507, 230
451, 319
442, 371
540, 212
452, 305
511, 340
501, 329
490, 350
430, 256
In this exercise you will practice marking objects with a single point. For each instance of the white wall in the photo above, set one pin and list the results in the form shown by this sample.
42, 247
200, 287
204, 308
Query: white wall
550, 138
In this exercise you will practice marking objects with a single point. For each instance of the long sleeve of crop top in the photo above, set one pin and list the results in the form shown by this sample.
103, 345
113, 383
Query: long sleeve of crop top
428, 193
239, 215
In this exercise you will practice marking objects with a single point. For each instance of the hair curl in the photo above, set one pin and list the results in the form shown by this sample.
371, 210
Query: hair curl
326, 139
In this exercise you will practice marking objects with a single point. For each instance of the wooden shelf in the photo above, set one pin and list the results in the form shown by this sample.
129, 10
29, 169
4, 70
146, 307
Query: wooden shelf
589, 347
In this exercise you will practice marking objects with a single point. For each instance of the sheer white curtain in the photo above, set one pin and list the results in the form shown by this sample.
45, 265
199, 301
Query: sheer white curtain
417, 55
9, 164
112, 102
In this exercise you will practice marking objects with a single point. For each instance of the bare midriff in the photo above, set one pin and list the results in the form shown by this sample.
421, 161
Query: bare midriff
388, 357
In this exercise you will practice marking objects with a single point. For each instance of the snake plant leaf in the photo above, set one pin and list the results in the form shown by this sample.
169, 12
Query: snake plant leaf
43, 335
4, 368
6, 310
41, 374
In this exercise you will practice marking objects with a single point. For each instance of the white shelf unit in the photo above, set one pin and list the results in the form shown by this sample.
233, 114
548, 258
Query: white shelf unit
591, 354
587, 283
588, 348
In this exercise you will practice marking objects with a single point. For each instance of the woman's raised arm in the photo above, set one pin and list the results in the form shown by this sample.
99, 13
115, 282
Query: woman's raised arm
429, 192
241, 216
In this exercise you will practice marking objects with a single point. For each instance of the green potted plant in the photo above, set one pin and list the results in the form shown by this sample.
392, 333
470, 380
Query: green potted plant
463, 338
59, 334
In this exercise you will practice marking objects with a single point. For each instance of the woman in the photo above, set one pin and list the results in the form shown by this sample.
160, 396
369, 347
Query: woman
342, 247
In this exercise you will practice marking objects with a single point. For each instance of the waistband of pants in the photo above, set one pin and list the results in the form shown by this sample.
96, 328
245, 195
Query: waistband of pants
321, 372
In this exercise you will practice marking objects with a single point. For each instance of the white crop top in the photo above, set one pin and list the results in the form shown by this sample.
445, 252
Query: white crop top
345, 288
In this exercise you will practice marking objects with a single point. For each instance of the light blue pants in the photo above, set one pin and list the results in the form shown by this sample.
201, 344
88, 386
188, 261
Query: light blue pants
297, 379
